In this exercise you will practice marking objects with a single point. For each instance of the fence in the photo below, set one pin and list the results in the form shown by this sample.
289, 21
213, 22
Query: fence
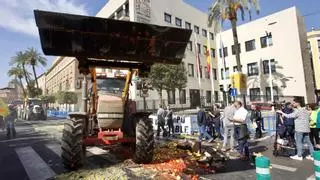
188, 103
57, 114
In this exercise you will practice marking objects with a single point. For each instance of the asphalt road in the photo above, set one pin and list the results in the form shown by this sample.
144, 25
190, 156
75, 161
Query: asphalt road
35, 155
283, 168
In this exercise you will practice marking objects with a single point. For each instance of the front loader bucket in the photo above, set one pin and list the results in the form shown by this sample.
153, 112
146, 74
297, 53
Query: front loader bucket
92, 37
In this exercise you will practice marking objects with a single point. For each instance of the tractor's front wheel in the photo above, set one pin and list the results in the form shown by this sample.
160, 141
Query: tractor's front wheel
72, 146
144, 140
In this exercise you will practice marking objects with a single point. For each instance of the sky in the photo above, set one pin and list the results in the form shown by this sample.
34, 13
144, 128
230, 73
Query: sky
18, 30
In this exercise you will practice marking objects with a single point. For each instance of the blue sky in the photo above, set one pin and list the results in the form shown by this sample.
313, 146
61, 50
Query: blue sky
18, 31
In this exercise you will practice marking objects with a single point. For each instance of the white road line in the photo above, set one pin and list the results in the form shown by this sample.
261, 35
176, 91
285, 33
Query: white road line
312, 177
286, 168
96, 151
56, 148
35, 167
24, 138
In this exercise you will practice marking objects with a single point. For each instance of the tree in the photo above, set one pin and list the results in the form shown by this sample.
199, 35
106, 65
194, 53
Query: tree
48, 99
17, 72
65, 97
157, 78
228, 9
32, 90
35, 59
168, 77
20, 60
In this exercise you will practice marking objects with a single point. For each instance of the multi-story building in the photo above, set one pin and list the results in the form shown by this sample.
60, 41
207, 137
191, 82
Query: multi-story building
178, 14
279, 38
314, 49
63, 75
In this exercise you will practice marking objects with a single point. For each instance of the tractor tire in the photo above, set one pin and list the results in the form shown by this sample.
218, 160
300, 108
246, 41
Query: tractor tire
144, 141
72, 146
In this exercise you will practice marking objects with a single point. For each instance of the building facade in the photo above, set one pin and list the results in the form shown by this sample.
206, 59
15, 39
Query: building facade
279, 39
314, 49
181, 15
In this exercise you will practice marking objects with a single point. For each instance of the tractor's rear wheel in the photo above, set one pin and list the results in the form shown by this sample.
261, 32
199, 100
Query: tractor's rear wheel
144, 140
72, 146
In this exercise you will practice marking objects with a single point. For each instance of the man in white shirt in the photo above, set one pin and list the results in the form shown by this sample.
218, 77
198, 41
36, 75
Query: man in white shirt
241, 131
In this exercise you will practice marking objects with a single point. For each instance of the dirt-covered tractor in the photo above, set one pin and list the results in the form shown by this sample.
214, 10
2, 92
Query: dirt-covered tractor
34, 109
107, 114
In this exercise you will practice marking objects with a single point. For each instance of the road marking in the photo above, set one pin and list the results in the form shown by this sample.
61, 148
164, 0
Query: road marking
286, 168
35, 167
24, 138
56, 148
96, 151
312, 177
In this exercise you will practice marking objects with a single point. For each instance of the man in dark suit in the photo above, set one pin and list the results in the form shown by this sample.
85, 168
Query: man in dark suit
201, 120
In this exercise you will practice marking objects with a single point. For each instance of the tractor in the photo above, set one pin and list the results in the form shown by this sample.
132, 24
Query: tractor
108, 115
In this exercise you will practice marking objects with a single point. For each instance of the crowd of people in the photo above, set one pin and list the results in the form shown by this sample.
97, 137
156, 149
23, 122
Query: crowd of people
235, 125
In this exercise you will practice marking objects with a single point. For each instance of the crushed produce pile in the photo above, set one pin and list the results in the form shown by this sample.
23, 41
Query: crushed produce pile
179, 163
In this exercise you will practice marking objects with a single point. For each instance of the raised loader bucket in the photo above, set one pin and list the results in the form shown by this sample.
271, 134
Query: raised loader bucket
92, 37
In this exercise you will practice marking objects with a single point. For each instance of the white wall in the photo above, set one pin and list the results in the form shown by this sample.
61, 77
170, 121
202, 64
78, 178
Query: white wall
286, 51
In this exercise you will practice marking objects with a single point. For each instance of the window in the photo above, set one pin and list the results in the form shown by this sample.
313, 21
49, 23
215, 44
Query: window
204, 49
266, 66
187, 25
211, 36
250, 45
253, 69
172, 97
206, 73
263, 41
182, 96
190, 70
213, 52
216, 96
167, 17
235, 68
222, 74
215, 74
275, 93
208, 96
225, 52
309, 46
190, 46
78, 84
199, 48
204, 33
254, 94
227, 73
196, 29
178, 22
200, 72
233, 48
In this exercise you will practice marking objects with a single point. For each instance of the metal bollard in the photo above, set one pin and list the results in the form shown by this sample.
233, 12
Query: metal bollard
316, 156
263, 168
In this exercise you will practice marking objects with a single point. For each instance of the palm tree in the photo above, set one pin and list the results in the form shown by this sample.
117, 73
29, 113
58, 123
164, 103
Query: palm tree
221, 10
18, 72
35, 59
20, 61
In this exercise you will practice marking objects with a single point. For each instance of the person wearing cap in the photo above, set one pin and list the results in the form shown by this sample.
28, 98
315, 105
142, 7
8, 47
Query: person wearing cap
10, 120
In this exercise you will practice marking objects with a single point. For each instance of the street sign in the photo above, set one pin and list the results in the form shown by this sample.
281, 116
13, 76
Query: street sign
234, 92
